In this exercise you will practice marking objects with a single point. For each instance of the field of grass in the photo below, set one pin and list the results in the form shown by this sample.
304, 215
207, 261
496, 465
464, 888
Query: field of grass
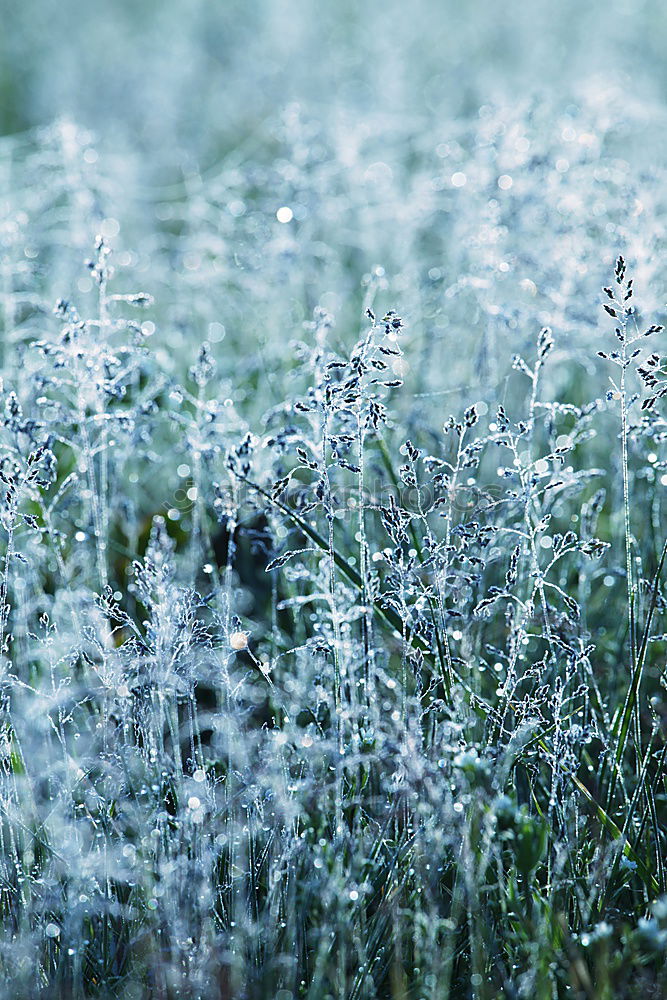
333, 530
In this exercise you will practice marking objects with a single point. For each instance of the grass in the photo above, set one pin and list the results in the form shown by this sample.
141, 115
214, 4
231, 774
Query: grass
311, 689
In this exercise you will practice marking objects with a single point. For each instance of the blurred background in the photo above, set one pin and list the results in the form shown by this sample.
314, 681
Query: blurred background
192, 77
475, 166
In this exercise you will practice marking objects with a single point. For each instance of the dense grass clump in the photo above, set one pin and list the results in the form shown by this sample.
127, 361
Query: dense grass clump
332, 600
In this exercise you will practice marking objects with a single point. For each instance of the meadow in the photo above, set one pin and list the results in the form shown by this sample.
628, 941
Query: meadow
333, 532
